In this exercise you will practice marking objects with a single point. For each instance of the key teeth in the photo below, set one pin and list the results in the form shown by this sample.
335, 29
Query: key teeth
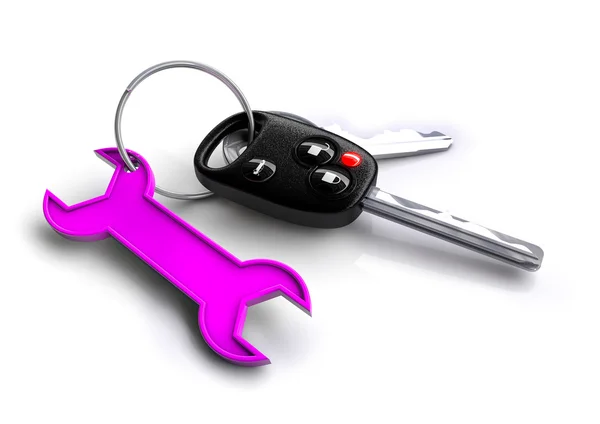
432, 134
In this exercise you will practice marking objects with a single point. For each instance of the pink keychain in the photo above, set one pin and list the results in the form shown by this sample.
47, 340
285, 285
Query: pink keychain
222, 285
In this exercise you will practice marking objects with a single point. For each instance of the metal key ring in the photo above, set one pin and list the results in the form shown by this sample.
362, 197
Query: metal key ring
161, 67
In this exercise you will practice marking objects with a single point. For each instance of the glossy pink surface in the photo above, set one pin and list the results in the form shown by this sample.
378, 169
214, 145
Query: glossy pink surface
222, 285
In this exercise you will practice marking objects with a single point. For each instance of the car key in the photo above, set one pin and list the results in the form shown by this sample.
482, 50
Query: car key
388, 145
303, 174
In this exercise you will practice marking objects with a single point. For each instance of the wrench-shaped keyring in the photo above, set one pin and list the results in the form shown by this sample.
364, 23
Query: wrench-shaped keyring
222, 285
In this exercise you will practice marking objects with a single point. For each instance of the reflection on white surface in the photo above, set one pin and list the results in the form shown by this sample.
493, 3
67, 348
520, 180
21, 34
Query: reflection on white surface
376, 265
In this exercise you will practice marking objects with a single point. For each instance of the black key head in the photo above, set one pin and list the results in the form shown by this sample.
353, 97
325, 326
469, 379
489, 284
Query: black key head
292, 171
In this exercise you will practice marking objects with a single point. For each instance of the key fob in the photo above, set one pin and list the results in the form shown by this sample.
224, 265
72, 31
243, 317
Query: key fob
292, 171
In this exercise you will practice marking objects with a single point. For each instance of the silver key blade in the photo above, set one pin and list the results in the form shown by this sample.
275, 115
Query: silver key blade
397, 144
492, 243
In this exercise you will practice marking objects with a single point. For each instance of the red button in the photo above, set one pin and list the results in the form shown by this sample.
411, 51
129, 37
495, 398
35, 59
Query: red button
351, 159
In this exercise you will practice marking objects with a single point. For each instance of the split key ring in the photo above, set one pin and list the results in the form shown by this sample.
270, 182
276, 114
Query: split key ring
161, 67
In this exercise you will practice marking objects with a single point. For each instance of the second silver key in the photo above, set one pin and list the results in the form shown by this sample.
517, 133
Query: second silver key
387, 145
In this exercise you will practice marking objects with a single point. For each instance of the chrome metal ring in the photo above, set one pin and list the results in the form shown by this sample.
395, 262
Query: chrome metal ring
161, 67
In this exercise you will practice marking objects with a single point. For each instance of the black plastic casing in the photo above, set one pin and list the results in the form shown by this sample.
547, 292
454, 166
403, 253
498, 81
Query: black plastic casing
287, 195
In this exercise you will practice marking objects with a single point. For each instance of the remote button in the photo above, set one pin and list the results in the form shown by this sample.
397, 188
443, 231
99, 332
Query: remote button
315, 151
329, 181
258, 170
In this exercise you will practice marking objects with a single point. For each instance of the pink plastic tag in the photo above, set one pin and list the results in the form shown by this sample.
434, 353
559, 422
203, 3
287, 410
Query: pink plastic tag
222, 285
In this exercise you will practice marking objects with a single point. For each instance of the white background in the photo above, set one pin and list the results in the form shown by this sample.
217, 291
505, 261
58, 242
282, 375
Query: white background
405, 328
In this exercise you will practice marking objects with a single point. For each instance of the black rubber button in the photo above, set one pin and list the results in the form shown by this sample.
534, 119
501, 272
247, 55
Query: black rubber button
329, 181
315, 151
258, 170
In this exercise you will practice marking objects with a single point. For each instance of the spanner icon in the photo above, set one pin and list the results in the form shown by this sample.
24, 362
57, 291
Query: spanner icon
222, 285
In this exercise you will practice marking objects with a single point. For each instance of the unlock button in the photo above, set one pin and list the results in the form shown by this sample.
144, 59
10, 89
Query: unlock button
329, 181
